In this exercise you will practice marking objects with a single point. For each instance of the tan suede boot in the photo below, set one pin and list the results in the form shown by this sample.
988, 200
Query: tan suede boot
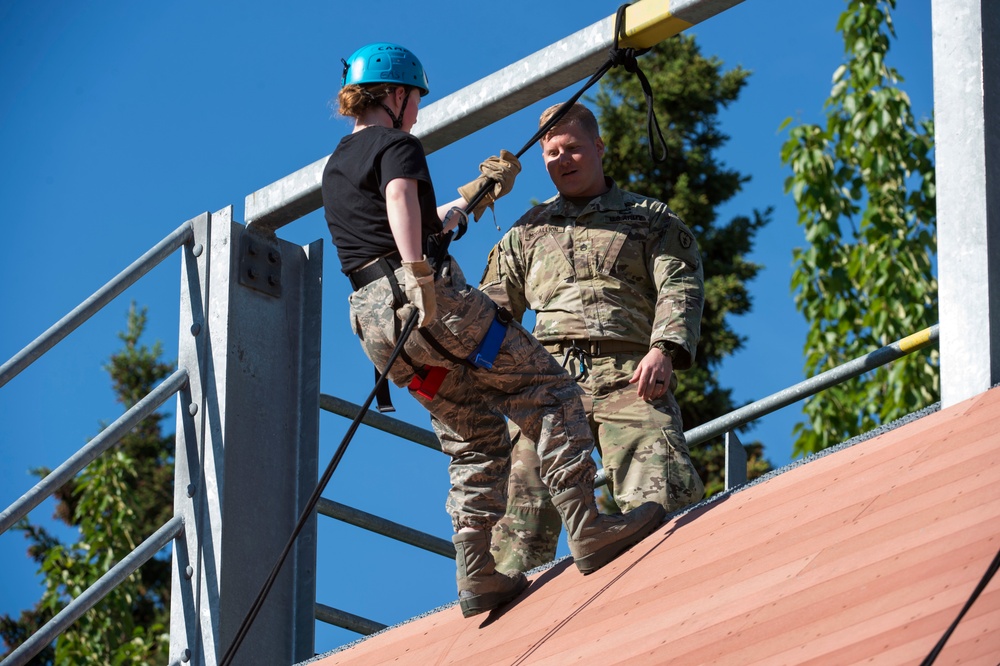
481, 587
594, 538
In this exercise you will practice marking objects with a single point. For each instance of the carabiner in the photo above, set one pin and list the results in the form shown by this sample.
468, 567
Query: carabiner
580, 357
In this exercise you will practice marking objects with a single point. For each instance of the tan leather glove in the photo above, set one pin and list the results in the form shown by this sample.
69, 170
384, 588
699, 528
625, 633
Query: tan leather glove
503, 170
418, 283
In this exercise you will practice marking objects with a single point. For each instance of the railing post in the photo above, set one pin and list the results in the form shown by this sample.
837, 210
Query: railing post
247, 442
736, 461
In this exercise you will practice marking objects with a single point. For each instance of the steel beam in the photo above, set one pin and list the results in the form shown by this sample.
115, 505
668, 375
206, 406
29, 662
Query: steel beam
384, 423
247, 447
388, 528
736, 461
497, 96
349, 621
966, 97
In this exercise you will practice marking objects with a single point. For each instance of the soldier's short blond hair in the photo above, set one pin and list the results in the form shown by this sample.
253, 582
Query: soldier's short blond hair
578, 113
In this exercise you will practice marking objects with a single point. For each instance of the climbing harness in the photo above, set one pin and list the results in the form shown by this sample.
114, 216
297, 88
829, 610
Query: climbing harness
427, 380
407, 65
489, 346
383, 267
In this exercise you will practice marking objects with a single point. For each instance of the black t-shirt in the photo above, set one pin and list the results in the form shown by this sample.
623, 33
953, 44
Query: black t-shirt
354, 183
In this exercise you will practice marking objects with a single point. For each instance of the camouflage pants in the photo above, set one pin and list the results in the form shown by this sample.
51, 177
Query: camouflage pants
526, 385
642, 448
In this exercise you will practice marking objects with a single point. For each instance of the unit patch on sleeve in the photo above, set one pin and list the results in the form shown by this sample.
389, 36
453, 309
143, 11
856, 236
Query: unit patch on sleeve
684, 238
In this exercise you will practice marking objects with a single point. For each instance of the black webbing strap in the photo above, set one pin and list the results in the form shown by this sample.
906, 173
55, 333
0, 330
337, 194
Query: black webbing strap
627, 59
383, 399
439, 348
398, 298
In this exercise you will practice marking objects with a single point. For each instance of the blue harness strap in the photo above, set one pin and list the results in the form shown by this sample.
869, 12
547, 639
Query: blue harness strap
489, 346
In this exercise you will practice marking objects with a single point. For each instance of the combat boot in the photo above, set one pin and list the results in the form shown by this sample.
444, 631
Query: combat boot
595, 538
481, 587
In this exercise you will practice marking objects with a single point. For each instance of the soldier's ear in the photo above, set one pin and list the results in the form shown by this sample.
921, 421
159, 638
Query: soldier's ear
600, 146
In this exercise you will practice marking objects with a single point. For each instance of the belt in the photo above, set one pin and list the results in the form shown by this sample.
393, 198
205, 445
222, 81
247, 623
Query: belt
596, 347
373, 271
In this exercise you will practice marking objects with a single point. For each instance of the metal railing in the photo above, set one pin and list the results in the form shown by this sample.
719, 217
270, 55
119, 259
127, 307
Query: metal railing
108, 438
50, 338
87, 454
813, 385
143, 553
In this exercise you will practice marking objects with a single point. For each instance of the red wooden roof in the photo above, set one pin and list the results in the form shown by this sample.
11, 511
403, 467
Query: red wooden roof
864, 555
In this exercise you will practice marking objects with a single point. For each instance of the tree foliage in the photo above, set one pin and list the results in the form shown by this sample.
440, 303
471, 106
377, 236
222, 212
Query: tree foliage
864, 188
115, 503
689, 91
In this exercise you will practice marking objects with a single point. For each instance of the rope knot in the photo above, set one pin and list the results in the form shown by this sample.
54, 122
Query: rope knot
624, 58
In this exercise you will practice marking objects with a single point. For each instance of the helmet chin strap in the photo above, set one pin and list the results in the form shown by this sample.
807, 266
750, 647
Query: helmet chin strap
397, 122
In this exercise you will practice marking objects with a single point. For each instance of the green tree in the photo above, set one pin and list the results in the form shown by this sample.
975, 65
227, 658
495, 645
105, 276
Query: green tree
115, 502
864, 188
689, 91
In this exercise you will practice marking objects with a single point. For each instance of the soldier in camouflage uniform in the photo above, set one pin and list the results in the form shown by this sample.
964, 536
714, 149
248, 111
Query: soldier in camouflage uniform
381, 210
615, 280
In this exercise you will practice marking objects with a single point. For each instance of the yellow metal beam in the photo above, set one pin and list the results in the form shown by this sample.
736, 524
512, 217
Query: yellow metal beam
649, 22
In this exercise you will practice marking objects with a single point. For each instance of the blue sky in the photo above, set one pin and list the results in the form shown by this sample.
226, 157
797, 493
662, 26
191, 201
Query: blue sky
121, 120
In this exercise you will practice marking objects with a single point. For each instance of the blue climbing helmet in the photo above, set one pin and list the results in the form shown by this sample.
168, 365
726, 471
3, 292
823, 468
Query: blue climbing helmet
383, 62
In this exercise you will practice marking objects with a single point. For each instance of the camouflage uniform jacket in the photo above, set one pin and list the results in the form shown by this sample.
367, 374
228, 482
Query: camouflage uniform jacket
623, 267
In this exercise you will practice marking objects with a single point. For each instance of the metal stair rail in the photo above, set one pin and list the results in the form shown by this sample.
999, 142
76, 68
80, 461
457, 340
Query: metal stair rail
107, 439
231, 313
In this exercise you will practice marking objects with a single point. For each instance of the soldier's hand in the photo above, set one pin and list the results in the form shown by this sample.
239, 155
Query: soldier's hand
652, 376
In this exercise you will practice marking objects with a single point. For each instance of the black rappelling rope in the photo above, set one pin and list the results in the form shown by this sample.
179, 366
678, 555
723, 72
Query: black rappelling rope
624, 57
983, 582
